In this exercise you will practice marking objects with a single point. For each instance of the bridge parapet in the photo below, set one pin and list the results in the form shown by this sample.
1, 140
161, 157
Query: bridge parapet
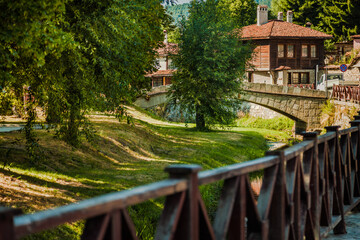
301, 105
284, 90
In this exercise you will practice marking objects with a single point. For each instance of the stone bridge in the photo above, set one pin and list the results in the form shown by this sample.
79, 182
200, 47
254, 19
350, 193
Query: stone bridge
299, 104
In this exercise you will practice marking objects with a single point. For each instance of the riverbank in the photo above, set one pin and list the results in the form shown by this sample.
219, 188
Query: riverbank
121, 156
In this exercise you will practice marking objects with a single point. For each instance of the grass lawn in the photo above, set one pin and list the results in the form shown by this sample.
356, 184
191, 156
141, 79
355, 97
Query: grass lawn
120, 157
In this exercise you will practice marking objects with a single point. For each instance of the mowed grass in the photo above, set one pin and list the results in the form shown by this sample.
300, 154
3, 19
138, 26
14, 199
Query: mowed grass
121, 156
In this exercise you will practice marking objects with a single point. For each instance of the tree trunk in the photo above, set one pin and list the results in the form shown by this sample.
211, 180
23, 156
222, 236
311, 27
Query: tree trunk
200, 119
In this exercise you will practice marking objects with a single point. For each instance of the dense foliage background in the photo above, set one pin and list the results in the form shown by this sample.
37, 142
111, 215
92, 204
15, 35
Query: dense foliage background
71, 56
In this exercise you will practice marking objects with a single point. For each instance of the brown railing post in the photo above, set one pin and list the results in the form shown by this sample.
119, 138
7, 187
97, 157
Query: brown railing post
355, 162
339, 207
184, 215
314, 184
278, 209
7, 222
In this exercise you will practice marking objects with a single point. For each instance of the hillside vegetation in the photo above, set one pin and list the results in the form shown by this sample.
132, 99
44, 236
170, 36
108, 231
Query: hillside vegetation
177, 12
120, 156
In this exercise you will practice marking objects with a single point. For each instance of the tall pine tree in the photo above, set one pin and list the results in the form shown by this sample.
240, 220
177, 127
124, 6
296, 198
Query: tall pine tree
341, 18
304, 10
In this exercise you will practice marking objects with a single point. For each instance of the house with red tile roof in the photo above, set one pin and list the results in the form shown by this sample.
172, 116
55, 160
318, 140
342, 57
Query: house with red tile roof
165, 69
285, 53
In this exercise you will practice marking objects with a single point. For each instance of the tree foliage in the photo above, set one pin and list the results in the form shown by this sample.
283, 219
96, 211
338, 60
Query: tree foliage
211, 62
341, 18
79, 55
242, 12
178, 12
304, 10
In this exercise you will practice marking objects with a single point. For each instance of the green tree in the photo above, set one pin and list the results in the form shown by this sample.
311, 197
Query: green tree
79, 55
211, 62
242, 12
341, 18
116, 42
304, 10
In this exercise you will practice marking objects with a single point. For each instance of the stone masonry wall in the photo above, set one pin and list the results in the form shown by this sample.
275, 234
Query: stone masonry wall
301, 105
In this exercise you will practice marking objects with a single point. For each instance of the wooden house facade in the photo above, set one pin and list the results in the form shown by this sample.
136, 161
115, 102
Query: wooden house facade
284, 53
165, 70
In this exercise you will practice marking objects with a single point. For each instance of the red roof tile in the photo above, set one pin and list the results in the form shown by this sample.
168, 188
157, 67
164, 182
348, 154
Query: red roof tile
280, 29
333, 67
162, 73
169, 48
283, 68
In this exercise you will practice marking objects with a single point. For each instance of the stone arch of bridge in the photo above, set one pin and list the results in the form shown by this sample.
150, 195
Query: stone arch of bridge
300, 124
301, 105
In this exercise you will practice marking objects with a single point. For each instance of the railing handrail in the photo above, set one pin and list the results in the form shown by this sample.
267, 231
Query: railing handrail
35, 222
294, 178
346, 93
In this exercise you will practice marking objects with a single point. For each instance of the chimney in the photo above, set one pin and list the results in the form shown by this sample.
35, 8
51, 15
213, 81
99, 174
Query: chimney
165, 37
289, 17
356, 42
308, 24
280, 16
262, 14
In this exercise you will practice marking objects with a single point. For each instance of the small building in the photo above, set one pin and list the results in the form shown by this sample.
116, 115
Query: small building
343, 50
285, 53
352, 75
165, 68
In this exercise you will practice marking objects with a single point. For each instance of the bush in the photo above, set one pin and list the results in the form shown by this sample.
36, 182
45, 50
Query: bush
277, 123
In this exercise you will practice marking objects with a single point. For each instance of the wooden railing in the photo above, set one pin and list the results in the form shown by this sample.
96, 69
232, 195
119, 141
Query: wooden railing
346, 93
306, 191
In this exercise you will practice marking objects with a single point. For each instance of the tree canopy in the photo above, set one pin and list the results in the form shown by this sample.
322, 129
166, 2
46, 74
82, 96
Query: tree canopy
304, 10
79, 55
242, 12
210, 62
341, 18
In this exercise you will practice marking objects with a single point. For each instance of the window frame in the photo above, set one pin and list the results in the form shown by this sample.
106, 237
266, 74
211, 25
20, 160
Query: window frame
303, 46
298, 78
283, 51
307, 78
293, 51
157, 80
311, 51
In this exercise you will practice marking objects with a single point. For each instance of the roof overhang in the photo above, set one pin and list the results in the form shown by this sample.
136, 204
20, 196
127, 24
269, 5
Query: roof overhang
286, 37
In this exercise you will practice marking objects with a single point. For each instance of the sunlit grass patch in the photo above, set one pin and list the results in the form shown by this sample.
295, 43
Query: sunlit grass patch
120, 157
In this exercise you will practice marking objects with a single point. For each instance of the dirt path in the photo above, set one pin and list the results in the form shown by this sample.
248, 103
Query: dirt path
143, 117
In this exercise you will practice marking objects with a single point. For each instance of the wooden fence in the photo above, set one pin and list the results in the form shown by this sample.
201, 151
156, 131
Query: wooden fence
307, 189
346, 93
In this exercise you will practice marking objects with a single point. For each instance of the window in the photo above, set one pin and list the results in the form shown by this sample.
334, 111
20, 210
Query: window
313, 51
289, 78
304, 50
304, 78
298, 78
290, 51
250, 76
281, 52
157, 82
295, 78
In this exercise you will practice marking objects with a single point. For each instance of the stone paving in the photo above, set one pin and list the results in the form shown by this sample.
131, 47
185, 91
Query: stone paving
352, 221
